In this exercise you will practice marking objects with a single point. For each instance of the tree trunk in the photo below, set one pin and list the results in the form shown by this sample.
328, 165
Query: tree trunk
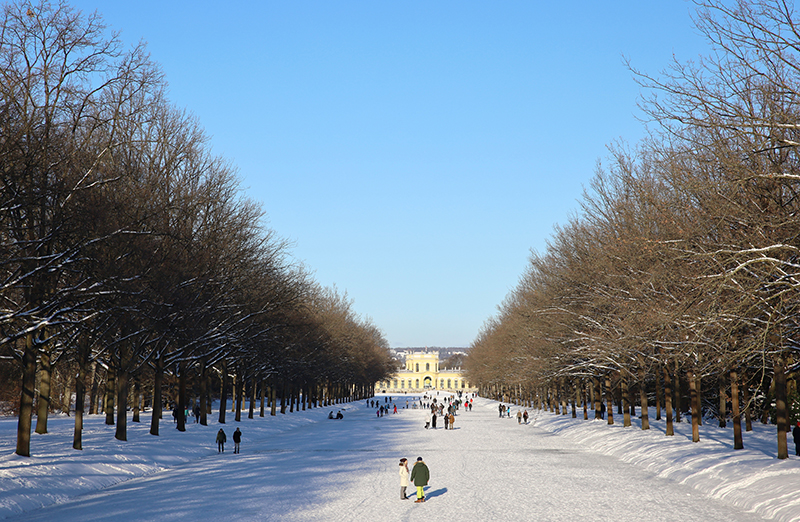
626, 410
609, 400
239, 394
597, 398
748, 410
782, 411
695, 401
723, 403
676, 389
738, 443
668, 400
699, 391
203, 392
137, 397
234, 393
223, 393
111, 387
643, 403
93, 390
122, 404
26, 398
158, 373
585, 401
273, 407
43, 400
80, 392
182, 399
262, 389
252, 404
283, 396
575, 399
659, 393
632, 399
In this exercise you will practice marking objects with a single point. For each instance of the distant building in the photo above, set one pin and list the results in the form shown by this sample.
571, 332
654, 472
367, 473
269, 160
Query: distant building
421, 372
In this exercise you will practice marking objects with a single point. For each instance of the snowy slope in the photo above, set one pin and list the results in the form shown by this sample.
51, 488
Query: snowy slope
302, 466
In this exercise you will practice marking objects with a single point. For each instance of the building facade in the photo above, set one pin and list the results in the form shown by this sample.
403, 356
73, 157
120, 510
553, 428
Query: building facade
422, 372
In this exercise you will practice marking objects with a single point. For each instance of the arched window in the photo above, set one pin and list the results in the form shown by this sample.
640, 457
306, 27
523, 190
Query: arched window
417, 384
427, 367
394, 383
441, 383
417, 371
448, 383
403, 383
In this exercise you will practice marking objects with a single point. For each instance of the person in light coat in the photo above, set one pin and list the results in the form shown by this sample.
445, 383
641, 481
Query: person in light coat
403, 478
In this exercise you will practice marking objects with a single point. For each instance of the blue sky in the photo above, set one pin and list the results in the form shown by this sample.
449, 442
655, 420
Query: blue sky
414, 152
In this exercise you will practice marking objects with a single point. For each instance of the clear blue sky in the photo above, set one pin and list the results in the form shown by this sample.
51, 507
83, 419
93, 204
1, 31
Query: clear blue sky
414, 152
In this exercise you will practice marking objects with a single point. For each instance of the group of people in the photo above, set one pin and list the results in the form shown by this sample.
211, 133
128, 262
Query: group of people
222, 439
449, 419
419, 475
339, 415
505, 410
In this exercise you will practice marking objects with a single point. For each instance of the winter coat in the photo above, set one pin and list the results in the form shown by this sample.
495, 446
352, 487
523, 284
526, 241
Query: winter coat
237, 436
796, 434
221, 437
420, 474
403, 475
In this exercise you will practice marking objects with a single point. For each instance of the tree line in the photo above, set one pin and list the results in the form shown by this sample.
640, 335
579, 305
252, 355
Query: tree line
131, 262
677, 284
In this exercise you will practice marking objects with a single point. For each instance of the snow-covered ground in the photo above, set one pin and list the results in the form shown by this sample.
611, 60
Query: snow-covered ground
302, 466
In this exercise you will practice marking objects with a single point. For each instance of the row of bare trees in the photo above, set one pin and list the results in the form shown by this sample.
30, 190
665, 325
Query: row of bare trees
681, 273
128, 249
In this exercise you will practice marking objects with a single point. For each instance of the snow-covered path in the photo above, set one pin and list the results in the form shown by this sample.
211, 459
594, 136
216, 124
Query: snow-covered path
315, 469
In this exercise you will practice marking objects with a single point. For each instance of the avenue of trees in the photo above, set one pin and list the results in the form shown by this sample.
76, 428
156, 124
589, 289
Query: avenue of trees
133, 271
677, 285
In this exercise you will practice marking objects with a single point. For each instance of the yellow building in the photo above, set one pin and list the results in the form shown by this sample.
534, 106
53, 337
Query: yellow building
422, 372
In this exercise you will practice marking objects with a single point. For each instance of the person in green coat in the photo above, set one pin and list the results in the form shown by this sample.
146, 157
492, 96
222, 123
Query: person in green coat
420, 475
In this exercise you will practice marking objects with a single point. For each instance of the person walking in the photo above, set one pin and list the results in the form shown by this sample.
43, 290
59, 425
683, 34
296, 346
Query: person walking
433, 421
452, 420
221, 439
796, 437
403, 478
519, 416
420, 476
237, 438
501, 409
525, 416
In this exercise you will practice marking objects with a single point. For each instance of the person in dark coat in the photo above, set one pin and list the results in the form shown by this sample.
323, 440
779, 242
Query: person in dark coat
796, 437
420, 476
237, 438
221, 439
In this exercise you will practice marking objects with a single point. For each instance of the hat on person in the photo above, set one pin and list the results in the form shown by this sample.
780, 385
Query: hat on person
419, 459
403, 460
